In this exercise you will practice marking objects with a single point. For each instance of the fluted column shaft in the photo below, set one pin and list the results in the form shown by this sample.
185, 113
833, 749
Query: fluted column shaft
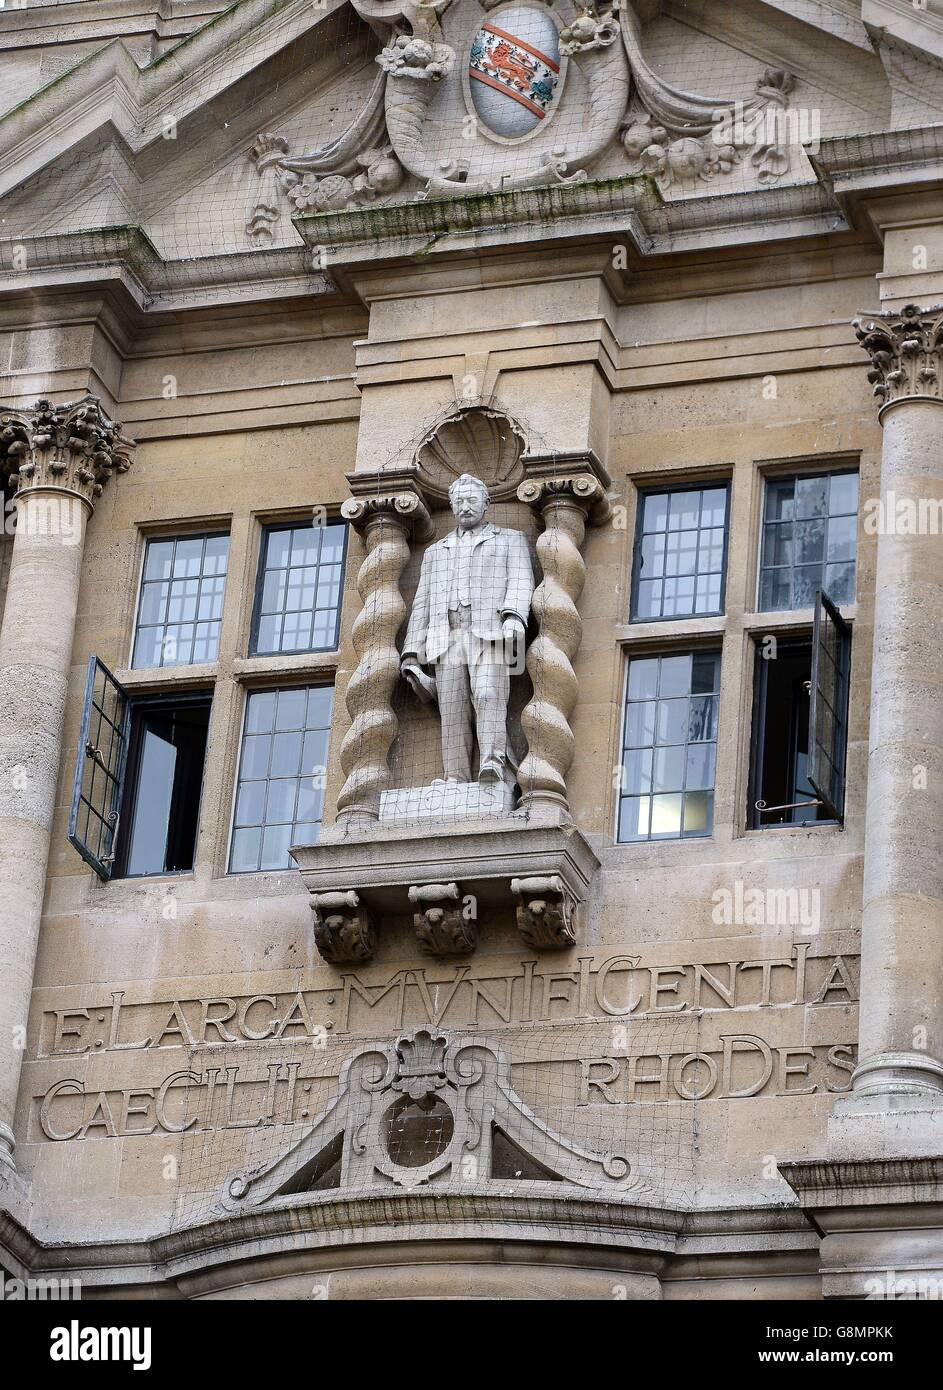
58, 458
901, 1013
385, 523
564, 505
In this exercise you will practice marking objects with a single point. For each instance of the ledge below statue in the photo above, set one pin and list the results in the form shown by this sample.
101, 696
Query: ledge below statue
449, 878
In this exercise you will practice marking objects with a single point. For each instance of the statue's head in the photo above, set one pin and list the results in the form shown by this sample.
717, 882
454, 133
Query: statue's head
469, 499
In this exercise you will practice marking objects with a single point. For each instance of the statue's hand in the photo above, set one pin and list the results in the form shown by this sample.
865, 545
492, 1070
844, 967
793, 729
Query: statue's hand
423, 686
513, 630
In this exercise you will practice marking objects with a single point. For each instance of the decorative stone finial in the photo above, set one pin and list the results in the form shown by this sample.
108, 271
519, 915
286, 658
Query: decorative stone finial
905, 347
73, 447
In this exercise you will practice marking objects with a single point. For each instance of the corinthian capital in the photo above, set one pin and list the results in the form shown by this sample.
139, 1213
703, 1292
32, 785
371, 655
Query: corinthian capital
73, 447
906, 348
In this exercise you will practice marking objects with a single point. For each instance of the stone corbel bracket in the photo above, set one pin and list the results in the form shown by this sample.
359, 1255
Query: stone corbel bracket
536, 868
568, 492
546, 914
444, 927
344, 930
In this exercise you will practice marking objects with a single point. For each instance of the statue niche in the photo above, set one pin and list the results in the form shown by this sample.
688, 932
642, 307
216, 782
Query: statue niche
464, 644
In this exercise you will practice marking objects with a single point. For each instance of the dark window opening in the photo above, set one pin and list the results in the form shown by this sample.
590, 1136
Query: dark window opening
160, 809
801, 686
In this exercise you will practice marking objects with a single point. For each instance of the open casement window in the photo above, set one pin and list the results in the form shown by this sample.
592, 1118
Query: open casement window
800, 724
828, 710
99, 769
138, 778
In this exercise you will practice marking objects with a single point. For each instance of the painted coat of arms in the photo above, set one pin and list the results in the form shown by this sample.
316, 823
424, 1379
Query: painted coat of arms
473, 96
514, 68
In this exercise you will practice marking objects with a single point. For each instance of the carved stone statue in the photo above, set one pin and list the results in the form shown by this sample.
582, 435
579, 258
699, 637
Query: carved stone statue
467, 623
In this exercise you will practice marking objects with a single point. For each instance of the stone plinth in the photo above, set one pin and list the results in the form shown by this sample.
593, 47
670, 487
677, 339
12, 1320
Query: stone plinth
446, 802
542, 867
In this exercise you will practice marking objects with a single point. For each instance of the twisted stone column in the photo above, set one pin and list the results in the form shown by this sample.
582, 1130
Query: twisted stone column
385, 523
57, 458
564, 504
901, 1013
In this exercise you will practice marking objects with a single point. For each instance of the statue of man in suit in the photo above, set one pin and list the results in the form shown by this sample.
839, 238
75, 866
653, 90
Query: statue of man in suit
468, 622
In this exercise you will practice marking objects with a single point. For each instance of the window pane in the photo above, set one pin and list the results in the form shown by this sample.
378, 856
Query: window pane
779, 499
843, 494
643, 678
637, 770
680, 555
291, 709
668, 755
159, 559
634, 814
666, 815
299, 593
675, 676
166, 634
795, 557
260, 713
281, 775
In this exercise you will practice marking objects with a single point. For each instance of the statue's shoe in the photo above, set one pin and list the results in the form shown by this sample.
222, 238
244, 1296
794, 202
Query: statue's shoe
491, 772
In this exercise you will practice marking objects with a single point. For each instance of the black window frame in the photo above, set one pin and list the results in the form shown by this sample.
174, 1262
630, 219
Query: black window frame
803, 637
112, 767
797, 474
121, 770
653, 488
305, 682
269, 529
713, 649
158, 538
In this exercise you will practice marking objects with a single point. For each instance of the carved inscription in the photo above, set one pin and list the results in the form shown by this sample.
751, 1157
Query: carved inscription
620, 999
527, 991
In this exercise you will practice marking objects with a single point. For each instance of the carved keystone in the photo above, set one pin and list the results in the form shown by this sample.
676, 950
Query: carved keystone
442, 930
344, 931
546, 913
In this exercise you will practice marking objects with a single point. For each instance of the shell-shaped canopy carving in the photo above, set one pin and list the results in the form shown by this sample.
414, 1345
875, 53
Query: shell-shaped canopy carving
485, 443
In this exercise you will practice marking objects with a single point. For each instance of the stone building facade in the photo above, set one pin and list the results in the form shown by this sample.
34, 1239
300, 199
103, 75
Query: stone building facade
655, 1012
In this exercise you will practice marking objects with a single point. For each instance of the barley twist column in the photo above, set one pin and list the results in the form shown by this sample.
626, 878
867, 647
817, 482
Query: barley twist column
57, 458
564, 504
385, 523
901, 1015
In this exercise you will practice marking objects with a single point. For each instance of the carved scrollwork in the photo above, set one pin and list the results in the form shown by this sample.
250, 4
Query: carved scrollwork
906, 351
458, 1092
443, 928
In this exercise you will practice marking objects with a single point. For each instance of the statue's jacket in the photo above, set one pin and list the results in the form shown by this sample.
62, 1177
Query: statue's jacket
501, 584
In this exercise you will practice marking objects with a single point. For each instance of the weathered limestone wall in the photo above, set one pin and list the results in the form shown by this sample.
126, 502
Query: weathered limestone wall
264, 422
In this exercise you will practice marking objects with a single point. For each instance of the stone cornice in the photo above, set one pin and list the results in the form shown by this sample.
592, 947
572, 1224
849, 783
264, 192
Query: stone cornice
72, 448
865, 1182
533, 1213
906, 351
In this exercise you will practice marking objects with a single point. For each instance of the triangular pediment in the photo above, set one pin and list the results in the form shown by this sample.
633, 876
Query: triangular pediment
276, 115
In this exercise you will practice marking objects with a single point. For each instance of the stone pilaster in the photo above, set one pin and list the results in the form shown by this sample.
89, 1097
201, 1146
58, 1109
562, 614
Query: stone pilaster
56, 459
385, 517
565, 500
901, 1028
